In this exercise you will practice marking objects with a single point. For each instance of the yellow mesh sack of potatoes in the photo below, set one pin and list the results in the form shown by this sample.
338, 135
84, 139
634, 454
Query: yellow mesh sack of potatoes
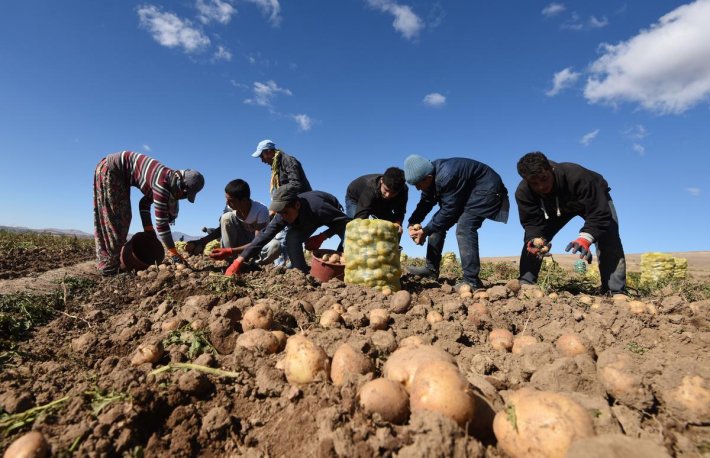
372, 255
656, 267
211, 246
680, 268
448, 261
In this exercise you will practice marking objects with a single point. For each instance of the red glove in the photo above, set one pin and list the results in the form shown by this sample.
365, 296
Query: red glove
221, 253
315, 242
581, 245
175, 257
539, 251
234, 268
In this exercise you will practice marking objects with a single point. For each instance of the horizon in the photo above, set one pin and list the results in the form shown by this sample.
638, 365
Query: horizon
351, 88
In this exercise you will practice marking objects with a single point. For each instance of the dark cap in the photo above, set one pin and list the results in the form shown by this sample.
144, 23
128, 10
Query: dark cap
193, 181
283, 196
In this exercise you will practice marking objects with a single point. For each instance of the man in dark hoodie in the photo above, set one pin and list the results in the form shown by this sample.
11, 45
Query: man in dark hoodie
549, 196
468, 192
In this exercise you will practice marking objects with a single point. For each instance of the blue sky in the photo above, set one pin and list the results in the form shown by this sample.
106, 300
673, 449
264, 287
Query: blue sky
354, 86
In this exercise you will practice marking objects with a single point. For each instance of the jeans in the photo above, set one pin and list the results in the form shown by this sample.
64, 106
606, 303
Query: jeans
295, 238
234, 235
350, 208
610, 253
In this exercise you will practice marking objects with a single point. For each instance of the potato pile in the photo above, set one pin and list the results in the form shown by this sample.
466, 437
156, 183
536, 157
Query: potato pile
333, 258
372, 253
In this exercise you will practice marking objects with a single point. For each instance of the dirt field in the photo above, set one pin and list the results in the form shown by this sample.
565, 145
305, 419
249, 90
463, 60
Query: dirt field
75, 368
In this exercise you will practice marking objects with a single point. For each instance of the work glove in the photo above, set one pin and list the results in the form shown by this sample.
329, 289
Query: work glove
581, 245
220, 254
538, 251
234, 268
315, 242
195, 247
175, 257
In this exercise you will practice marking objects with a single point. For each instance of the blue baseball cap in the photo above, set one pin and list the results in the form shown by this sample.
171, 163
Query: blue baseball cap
264, 145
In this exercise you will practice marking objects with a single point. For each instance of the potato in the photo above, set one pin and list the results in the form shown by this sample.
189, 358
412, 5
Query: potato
338, 307
481, 296
386, 291
554, 296
334, 258
478, 312
586, 300
305, 362
434, 317
466, 295
538, 242
692, 398
636, 307
30, 445
259, 316
417, 227
387, 398
379, 319
571, 345
401, 300
330, 319
259, 340
411, 341
281, 337
501, 339
540, 424
439, 387
403, 364
617, 372
520, 342
147, 353
348, 363
464, 288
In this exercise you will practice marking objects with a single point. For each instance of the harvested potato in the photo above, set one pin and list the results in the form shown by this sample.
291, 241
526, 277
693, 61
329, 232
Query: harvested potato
692, 398
30, 445
434, 317
553, 296
147, 353
501, 339
281, 337
520, 342
305, 362
540, 424
478, 312
387, 398
438, 386
618, 374
539, 242
411, 341
417, 227
386, 291
464, 288
379, 319
334, 258
481, 296
571, 345
259, 316
259, 340
338, 307
403, 364
330, 319
348, 363
401, 300
636, 307
586, 300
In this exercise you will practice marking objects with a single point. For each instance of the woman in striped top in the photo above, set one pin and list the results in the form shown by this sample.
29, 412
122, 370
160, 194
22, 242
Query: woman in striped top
161, 186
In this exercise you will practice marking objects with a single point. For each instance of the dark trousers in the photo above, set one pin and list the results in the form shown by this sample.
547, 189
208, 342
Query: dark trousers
610, 253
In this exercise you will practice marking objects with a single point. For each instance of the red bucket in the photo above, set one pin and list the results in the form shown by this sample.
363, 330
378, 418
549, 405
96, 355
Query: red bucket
142, 251
325, 271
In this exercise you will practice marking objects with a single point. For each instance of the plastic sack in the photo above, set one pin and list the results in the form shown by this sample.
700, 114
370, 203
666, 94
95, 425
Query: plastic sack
372, 255
659, 267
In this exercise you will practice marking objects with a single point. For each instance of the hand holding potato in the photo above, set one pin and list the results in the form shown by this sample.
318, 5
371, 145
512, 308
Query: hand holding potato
417, 234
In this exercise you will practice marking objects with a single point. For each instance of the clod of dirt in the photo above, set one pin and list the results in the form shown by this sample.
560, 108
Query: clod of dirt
195, 383
620, 377
13, 401
384, 342
521, 342
84, 342
437, 435
223, 335
615, 446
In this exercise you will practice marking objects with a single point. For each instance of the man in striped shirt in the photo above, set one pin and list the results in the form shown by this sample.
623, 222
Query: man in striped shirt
162, 187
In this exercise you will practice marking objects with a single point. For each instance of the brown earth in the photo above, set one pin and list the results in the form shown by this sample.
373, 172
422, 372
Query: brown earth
114, 408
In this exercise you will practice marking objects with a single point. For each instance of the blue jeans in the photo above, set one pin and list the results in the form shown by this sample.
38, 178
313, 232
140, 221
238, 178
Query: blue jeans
295, 238
350, 208
610, 254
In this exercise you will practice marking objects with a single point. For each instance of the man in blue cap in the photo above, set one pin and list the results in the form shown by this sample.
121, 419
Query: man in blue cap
285, 170
468, 192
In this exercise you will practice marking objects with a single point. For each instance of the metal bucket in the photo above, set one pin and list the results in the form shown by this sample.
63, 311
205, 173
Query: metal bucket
325, 271
142, 251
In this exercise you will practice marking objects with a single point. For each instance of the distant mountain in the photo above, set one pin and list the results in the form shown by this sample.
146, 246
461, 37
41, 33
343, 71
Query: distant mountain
176, 235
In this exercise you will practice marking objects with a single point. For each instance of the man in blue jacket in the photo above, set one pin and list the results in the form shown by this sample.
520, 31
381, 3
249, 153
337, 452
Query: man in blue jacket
550, 194
468, 192
302, 213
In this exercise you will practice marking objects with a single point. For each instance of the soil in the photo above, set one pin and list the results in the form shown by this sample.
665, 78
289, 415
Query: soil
115, 408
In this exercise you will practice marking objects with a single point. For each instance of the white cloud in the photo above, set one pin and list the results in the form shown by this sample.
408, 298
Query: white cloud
146, 148
553, 9
587, 138
265, 93
435, 100
639, 149
271, 8
222, 53
693, 191
665, 69
594, 23
215, 10
637, 132
562, 80
171, 31
304, 121
405, 22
